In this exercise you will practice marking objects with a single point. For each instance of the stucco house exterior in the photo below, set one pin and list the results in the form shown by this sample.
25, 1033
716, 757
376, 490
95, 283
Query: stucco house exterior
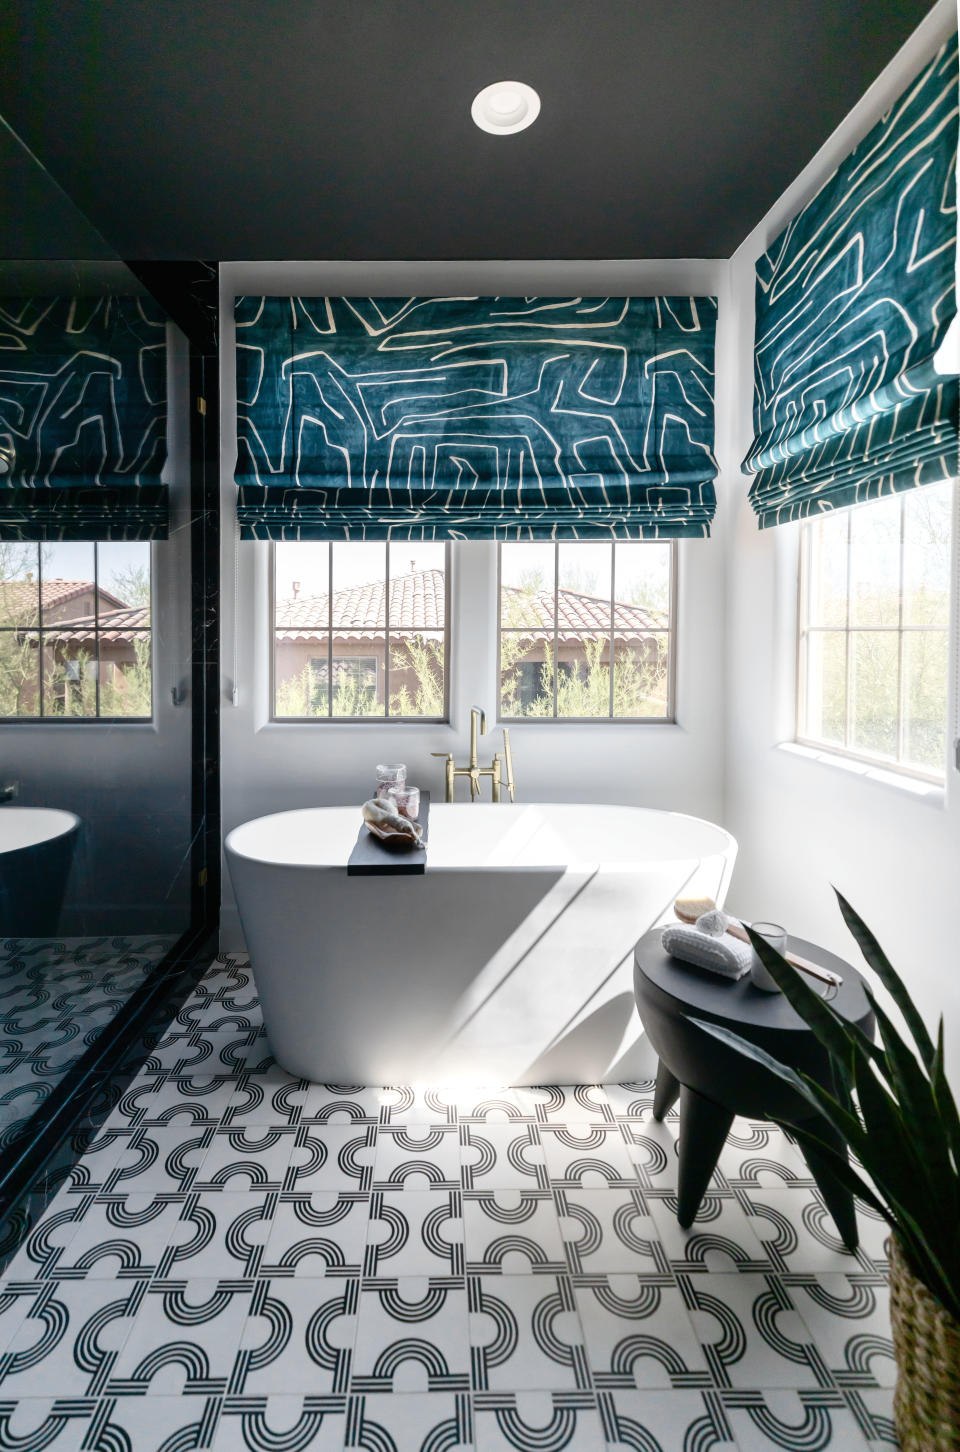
60, 618
308, 636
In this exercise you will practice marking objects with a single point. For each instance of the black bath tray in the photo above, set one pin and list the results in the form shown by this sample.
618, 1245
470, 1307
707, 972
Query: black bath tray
370, 858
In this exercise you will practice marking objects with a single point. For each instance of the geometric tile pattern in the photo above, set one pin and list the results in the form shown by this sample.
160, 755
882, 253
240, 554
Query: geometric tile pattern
245, 1260
57, 995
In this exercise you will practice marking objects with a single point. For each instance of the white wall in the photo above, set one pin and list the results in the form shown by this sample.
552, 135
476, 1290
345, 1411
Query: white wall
803, 824
271, 767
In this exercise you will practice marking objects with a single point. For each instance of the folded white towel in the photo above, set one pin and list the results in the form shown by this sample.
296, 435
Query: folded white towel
725, 956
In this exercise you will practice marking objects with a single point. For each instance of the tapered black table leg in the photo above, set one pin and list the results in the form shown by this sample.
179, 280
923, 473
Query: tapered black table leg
704, 1127
666, 1093
836, 1196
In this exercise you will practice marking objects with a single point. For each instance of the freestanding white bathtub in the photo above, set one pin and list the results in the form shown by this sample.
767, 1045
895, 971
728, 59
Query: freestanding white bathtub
509, 961
36, 850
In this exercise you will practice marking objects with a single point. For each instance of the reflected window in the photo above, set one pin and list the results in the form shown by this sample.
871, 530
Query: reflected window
75, 632
874, 630
587, 631
360, 631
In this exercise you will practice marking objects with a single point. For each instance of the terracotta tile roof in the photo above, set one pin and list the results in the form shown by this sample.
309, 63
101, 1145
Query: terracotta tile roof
578, 615
19, 597
417, 603
116, 626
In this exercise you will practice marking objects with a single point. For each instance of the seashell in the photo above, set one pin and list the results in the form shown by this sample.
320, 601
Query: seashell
715, 923
389, 826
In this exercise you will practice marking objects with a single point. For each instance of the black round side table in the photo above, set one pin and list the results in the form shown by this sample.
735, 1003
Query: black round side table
714, 1082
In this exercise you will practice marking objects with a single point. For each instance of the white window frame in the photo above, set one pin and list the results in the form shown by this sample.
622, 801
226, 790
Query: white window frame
140, 722
877, 761
386, 719
668, 719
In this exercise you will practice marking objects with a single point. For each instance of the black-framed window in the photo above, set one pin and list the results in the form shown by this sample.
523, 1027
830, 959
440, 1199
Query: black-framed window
874, 630
360, 631
587, 631
75, 632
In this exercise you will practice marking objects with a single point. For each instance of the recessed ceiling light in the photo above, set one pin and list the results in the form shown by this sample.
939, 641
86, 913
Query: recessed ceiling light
505, 107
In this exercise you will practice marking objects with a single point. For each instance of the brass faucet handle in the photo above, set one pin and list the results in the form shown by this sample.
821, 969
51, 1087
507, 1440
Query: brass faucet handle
496, 776
508, 760
446, 755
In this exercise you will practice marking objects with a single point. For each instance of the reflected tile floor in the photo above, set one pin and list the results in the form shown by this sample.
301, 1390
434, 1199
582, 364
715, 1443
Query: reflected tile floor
56, 997
243, 1260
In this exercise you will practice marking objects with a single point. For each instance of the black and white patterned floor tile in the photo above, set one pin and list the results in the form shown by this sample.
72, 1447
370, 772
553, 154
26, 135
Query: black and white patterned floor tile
56, 997
244, 1262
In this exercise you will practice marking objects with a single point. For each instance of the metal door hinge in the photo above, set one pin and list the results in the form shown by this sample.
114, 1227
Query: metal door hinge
201, 405
202, 877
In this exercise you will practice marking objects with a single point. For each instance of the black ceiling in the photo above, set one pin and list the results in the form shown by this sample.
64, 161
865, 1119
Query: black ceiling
341, 128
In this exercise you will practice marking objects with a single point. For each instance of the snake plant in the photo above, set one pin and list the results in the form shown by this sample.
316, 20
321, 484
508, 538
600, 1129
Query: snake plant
893, 1108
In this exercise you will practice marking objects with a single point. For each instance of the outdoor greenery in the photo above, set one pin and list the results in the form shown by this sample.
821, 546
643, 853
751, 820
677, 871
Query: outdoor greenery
640, 667
873, 683
415, 660
69, 681
893, 1108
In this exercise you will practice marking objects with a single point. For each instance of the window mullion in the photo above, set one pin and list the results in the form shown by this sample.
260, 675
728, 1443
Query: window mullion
386, 637
40, 623
850, 692
803, 633
96, 633
330, 630
556, 626
613, 607
901, 639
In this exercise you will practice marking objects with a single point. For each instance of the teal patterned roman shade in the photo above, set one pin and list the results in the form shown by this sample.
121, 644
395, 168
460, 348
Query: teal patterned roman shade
853, 300
475, 418
83, 410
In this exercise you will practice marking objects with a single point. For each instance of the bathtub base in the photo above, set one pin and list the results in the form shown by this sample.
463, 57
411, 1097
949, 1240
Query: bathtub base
476, 977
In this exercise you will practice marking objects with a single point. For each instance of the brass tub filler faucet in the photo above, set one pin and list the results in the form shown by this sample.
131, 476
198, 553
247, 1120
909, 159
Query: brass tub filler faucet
502, 761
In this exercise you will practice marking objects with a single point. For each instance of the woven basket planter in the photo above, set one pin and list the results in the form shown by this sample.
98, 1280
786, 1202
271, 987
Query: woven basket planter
926, 1342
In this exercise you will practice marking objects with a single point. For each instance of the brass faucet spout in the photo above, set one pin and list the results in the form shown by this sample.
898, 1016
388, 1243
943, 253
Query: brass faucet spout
473, 771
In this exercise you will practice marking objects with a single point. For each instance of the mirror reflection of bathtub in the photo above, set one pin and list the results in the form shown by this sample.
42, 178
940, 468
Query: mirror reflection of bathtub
36, 852
58, 993
509, 961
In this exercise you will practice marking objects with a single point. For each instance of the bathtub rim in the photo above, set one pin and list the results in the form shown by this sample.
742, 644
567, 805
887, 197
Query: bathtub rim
71, 822
727, 845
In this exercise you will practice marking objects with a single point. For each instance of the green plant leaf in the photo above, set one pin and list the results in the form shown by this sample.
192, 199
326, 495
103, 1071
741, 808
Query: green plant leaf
901, 1192
946, 1106
840, 1166
928, 1266
833, 1031
889, 977
843, 1121
837, 1113
918, 1111
891, 1158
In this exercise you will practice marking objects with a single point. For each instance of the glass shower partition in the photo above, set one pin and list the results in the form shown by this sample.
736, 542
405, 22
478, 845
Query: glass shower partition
107, 650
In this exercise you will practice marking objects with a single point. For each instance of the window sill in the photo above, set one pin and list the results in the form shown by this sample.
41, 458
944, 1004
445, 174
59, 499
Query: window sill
280, 724
524, 723
59, 723
922, 791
